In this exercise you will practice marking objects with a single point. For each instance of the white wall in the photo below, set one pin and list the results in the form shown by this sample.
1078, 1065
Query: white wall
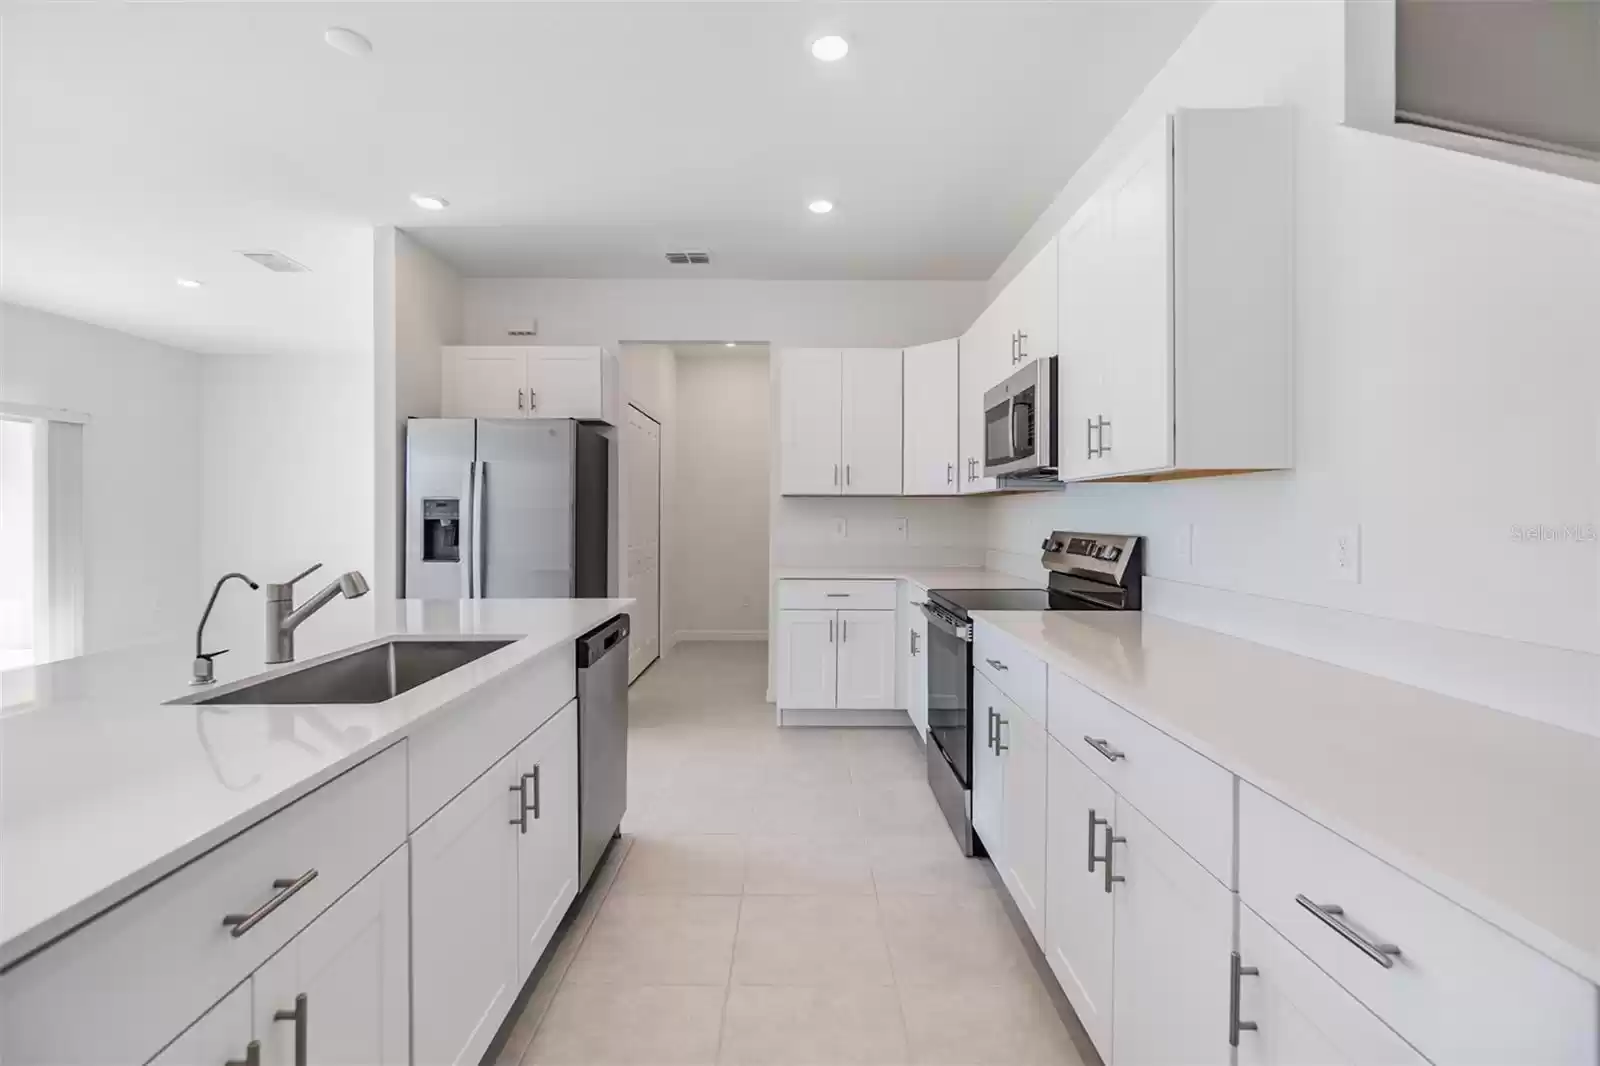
416, 311
1447, 391
720, 544
142, 475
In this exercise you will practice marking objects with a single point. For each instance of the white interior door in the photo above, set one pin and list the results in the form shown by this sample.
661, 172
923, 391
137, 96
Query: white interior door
641, 456
484, 381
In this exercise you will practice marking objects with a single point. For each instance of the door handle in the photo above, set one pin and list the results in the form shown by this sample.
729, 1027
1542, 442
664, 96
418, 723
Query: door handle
836, 475
521, 789
847, 473
302, 1028
1111, 875
998, 746
286, 886
997, 664
830, 631
949, 473
1101, 745
480, 564
519, 399
844, 631
533, 401
1021, 352
991, 740
1236, 971
914, 642
1332, 916
1095, 820
252, 1055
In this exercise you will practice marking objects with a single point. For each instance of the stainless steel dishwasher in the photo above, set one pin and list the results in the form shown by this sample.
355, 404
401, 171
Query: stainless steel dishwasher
602, 741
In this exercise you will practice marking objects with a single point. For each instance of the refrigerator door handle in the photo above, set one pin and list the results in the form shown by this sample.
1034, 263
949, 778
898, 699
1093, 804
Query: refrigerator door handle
469, 530
480, 540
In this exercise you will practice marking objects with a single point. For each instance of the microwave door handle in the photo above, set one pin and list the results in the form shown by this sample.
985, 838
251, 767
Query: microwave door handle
1021, 446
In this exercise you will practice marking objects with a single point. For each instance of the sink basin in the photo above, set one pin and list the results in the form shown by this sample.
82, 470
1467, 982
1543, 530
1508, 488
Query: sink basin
370, 675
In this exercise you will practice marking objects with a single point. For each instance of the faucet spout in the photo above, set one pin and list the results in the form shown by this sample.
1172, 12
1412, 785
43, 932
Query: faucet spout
283, 618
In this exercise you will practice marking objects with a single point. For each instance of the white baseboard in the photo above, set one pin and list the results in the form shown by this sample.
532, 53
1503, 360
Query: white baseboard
718, 634
1547, 684
873, 719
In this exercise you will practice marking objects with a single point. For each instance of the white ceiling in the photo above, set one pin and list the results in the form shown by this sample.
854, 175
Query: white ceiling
149, 141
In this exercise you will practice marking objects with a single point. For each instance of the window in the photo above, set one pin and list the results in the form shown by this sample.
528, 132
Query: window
41, 535
1523, 72
16, 543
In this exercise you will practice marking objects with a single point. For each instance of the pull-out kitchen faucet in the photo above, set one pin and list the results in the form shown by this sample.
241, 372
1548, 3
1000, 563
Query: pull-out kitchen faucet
283, 617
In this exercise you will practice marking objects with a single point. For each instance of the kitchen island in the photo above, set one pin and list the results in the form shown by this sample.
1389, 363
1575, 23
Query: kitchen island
139, 836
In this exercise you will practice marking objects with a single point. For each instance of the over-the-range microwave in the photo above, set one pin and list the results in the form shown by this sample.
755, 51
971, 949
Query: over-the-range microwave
1019, 415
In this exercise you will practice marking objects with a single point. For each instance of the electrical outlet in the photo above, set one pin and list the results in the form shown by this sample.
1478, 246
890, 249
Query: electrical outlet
531, 329
840, 530
1344, 554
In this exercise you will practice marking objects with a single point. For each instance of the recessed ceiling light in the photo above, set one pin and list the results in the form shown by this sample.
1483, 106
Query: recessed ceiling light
820, 207
429, 203
347, 41
731, 344
188, 283
830, 48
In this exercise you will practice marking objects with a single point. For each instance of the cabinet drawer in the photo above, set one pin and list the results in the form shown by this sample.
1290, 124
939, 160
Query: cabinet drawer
119, 988
828, 595
1013, 670
1459, 990
1187, 795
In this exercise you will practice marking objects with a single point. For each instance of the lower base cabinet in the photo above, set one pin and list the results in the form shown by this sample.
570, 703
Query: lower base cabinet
842, 659
492, 874
988, 770
1078, 907
350, 966
1293, 1014
1173, 925
221, 1035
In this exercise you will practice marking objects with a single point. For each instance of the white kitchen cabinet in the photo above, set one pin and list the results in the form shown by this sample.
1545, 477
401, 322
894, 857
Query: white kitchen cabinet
220, 1036
1299, 1016
917, 680
1078, 909
1024, 746
1030, 317
983, 355
867, 662
522, 381
808, 660
932, 441
870, 400
811, 421
988, 771
484, 381
546, 811
464, 920
840, 418
1173, 926
350, 966
1175, 293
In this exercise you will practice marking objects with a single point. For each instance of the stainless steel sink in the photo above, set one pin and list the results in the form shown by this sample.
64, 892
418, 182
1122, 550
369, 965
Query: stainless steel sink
370, 675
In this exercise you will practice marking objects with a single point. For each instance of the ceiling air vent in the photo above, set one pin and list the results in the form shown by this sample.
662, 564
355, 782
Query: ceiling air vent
689, 258
276, 261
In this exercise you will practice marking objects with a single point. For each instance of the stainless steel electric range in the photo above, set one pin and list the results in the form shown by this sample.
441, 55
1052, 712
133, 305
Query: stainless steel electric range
1086, 572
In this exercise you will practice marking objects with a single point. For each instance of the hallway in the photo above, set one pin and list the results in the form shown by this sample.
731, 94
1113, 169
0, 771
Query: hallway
782, 897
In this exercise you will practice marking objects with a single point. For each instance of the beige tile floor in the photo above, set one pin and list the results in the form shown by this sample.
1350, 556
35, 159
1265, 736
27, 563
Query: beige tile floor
783, 897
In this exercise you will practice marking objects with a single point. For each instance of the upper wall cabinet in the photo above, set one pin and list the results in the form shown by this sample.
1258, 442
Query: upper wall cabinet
932, 447
1176, 292
510, 381
840, 421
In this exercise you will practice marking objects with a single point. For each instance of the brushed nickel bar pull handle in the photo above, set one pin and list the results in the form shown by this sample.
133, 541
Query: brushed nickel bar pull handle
847, 473
844, 631
536, 792
1088, 438
830, 631
1332, 916
837, 595
1022, 353
286, 886
1112, 877
997, 664
949, 473
998, 746
992, 729
836, 473
252, 1055
521, 789
302, 1029
1236, 971
519, 399
1104, 747
1094, 820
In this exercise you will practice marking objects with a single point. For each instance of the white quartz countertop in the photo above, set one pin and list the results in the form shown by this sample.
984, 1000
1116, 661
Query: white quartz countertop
954, 577
1495, 812
106, 787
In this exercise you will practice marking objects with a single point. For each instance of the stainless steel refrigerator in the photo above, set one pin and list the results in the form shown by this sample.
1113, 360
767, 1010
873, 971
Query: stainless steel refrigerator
506, 508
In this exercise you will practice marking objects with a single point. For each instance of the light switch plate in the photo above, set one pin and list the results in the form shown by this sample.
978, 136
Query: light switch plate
1344, 554
840, 530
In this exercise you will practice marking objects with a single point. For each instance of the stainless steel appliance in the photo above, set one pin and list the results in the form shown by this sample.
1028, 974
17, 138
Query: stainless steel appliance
1019, 423
506, 508
1087, 572
602, 741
